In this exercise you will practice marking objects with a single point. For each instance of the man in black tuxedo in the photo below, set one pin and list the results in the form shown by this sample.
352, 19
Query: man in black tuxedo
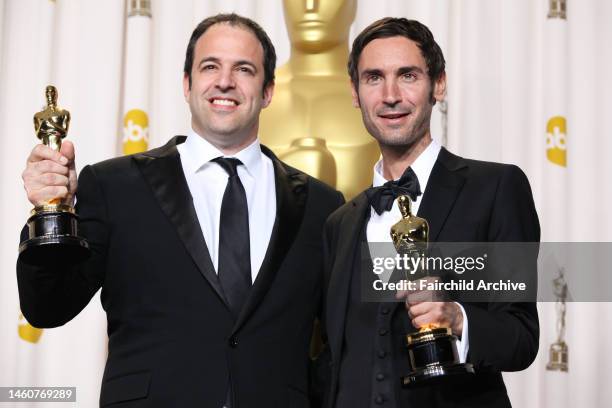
397, 75
208, 249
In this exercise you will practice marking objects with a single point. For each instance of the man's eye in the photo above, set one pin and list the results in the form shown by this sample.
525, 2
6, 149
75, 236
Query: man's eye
409, 76
371, 79
208, 67
245, 70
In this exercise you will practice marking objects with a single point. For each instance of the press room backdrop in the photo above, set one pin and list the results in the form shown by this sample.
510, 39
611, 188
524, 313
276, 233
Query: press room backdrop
522, 88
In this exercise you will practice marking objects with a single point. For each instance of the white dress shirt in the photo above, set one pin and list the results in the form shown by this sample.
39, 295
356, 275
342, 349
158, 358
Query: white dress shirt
379, 226
207, 181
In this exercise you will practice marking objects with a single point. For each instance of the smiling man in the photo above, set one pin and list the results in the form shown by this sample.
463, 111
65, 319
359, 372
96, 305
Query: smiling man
207, 249
397, 73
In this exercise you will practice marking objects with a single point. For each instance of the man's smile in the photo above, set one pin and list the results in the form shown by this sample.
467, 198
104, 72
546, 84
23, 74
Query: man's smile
223, 103
393, 117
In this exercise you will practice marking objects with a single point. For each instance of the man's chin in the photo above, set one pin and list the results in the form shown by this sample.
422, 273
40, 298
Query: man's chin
399, 141
396, 140
224, 130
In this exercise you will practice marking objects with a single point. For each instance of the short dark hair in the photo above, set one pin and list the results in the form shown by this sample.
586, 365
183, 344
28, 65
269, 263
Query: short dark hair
393, 27
269, 54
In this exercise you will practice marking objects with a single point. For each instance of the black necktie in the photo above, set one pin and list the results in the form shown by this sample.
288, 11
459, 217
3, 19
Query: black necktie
234, 249
381, 198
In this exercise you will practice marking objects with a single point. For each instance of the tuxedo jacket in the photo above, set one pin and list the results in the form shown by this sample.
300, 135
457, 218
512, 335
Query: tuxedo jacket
464, 201
172, 341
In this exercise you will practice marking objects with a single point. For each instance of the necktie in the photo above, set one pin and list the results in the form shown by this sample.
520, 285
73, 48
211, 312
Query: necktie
381, 198
234, 249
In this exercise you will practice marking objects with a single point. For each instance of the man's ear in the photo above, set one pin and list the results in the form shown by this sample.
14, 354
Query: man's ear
355, 95
268, 92
439, 91
186, 87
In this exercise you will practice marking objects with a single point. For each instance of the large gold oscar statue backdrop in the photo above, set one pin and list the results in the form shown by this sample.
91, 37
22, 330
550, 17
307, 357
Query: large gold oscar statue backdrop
311, 123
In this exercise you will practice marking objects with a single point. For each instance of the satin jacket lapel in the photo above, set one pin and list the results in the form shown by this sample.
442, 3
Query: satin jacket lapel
443, 187
163, 171
291, 194
342, 269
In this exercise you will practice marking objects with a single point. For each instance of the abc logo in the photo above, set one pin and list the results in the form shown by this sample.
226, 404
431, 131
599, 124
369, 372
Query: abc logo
555, 140
135, 131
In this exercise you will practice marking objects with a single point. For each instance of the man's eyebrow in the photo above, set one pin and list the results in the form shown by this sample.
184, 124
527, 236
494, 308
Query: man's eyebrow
410, 69
236, 64
371, 72
209, 59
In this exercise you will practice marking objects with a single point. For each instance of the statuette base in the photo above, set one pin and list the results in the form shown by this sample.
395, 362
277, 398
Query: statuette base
53, 238
433, 356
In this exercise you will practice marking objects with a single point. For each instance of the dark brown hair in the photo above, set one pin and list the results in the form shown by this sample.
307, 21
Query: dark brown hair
269, 54
393, 27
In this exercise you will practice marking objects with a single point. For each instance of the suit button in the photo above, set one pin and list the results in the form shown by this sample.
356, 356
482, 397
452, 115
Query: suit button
233, 342
380, 377
384, 310
382, 353
382, 332
379, 399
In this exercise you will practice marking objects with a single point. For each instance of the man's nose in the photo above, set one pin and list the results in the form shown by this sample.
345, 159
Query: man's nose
225, 80
391, 93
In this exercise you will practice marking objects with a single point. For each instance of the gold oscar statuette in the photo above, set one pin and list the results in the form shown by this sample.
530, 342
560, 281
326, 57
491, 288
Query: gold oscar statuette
53, 226
312, 123
558, 354
411, 231
432, 351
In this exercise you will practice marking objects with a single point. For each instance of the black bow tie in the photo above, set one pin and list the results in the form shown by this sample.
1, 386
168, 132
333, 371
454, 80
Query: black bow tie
381, 198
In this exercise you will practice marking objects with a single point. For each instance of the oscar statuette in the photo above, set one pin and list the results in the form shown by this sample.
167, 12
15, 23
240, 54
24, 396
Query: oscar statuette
311, 123
432, 351
53, 226
558, 354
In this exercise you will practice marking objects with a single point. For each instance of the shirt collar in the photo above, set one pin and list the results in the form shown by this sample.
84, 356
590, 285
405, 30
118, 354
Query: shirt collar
198, 153
422, 166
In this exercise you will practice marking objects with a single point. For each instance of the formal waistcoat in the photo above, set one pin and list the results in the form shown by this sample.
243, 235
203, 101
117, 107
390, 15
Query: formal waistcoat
367, 377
